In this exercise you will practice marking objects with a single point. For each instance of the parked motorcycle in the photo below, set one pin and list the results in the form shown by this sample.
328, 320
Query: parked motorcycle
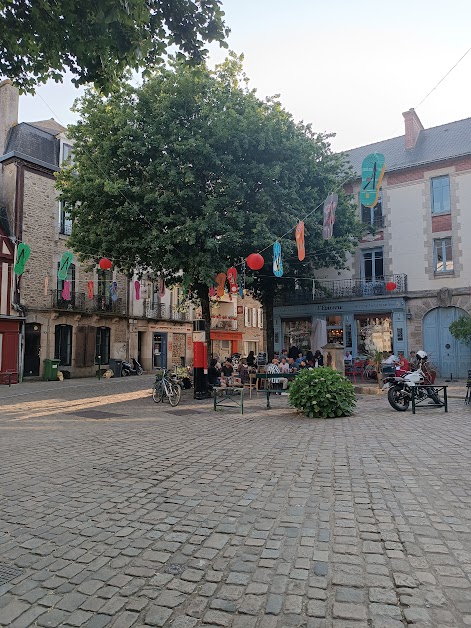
131, 368
400, 388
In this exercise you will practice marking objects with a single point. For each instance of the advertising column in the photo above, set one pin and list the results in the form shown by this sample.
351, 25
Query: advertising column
200, 359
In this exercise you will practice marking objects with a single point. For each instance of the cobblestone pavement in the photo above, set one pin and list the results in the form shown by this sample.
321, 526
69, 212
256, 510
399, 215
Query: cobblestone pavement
119, 512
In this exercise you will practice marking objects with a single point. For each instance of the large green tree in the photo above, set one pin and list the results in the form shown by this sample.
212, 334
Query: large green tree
98, 40
192, 172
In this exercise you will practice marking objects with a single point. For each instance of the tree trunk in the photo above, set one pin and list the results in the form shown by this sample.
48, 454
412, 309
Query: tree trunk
203, 295
268, 309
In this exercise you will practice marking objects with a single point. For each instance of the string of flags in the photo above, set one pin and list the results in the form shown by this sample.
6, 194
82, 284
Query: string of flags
373, 169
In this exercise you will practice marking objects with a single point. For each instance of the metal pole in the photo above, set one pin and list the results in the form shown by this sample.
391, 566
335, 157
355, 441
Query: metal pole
99, 367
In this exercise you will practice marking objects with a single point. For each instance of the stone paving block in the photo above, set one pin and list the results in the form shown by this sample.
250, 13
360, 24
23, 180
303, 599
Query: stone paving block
157, 615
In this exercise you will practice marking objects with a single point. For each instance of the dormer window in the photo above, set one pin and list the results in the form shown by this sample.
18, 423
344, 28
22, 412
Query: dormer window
67, 154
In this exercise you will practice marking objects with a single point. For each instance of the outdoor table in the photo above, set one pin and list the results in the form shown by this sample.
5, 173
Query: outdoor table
267, 377
228, 396
416, 403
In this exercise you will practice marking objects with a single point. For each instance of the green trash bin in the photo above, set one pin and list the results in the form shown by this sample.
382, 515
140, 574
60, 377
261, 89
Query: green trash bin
51, 370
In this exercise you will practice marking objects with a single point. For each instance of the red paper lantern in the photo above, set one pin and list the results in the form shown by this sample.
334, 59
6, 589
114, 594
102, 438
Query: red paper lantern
255, 261
105, 263
390, 286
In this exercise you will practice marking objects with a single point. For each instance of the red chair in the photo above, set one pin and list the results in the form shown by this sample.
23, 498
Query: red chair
355, 371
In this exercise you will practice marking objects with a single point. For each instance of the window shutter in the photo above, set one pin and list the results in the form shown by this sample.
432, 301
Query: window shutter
90, 346
80, 340
247, 317
254, 317
260, 318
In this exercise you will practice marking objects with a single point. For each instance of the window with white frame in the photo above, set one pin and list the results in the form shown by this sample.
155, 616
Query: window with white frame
440, 192
373, 215
67, 154
260, 317
250, 345
442, 255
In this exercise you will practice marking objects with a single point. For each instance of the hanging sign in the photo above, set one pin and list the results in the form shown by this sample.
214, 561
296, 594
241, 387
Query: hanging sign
220, 281
66, 290
372, 172
64, 265
137, 289
22, 254
330, 205
277, 261
90, 289
232, 279
300, 240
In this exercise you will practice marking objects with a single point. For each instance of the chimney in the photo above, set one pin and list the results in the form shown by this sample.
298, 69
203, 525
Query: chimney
9, 100
413, 127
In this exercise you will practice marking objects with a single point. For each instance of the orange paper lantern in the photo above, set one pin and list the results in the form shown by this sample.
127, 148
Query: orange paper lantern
255, 261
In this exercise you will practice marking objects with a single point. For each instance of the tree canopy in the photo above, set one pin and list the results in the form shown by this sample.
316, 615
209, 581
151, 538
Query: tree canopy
461, 329
98, 41
192, 172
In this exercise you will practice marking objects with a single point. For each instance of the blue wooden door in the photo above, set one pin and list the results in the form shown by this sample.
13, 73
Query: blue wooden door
451, 356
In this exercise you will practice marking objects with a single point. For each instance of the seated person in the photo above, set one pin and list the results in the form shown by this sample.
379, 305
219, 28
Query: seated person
284, 366
214, 374
299, 359
292, 365
318, 358
403, 364
227, 369
348, 359
274, 368
391, 359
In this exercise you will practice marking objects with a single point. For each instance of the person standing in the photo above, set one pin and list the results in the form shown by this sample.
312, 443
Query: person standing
318, 358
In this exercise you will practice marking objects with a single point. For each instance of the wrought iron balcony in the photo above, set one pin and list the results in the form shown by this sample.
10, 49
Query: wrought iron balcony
176, 315
105, 304
156, 310
75, 303
346, 289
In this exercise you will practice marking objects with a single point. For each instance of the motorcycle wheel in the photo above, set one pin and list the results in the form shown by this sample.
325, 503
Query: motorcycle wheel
139, 370
434, 397
124, 372
397, 400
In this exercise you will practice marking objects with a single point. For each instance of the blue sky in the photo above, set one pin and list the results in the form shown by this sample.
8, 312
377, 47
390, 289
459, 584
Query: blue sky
346, 66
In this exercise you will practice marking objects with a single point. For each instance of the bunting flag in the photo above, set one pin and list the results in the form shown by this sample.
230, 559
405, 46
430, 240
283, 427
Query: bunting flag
220, 281
64, 265
22, 255
277, 261
232, 279
330, 205
372, 172
212, 292
46, 285
137, 289
90, 289
114, 290
66, 290
300, 240
161, 287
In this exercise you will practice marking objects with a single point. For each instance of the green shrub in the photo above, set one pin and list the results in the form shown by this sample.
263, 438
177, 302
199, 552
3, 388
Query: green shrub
322, 393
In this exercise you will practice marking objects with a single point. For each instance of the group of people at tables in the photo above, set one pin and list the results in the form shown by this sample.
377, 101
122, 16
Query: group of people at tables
232, 373
398, 364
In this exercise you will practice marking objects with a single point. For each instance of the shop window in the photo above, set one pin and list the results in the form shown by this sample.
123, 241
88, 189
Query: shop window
374, 333
63, 344
225, 345
297, 333
250, 345
334, 329
102, 347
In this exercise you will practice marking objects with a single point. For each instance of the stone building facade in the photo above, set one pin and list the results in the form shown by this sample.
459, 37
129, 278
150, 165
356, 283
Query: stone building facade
409, 278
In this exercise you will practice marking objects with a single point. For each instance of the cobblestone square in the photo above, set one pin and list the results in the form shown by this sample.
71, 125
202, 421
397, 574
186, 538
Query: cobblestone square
144, 516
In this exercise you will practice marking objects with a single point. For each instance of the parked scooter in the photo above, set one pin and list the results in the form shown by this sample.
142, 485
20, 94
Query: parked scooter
400, 388
131, 368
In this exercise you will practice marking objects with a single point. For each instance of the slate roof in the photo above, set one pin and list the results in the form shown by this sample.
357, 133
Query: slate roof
436, 144
31, 141
51, 126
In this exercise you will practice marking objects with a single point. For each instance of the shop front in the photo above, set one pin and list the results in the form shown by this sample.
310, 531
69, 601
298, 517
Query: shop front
225, 343
362, 326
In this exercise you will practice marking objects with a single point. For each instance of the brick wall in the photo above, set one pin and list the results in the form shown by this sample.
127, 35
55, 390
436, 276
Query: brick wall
441, 223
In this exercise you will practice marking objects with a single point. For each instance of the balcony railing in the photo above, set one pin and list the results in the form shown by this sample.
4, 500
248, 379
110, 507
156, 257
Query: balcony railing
346, 289
377, 222
175, 315
156, 310
76, 301
106, 305
222, 324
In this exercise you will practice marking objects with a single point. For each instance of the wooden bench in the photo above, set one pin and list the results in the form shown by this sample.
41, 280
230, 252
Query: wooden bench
6, 377
228, 396
270, 387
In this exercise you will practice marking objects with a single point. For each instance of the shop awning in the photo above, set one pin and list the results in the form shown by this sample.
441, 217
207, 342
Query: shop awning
225, 335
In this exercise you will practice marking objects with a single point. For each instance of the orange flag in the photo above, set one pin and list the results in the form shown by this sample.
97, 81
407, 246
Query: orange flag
300, 240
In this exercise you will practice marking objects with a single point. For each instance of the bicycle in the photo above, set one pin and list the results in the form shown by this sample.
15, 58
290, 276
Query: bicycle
164, 387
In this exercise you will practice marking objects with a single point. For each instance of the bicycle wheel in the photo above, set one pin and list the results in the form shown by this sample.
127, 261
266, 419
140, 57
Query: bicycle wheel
174, 393
157, 393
